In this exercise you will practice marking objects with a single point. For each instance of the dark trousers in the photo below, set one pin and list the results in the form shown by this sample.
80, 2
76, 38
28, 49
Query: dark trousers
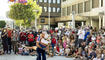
79, 42
31, 44
14, 46
5, 47
40, 53
53, 47
9, 44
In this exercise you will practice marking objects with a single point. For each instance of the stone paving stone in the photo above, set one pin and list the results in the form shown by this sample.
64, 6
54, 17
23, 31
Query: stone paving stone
19, 57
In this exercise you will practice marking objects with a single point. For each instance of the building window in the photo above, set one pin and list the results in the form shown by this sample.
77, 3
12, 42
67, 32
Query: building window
49, 1
80, 8
63, 11
42, 21
58, 1
42, 9
49, 9
45, 1
45, 9
101, 3
54, 1
58, 9
64, 0
95, 3
40, 0
68, 10
74, 8
54, 9
87, 6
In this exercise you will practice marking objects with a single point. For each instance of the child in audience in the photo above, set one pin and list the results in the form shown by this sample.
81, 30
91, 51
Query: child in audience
20, 49
61, 53
16, 48
25, 51
50, 51
67, 51
98, 57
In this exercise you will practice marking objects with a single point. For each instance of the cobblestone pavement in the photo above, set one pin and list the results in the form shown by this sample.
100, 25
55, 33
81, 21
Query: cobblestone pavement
19, 57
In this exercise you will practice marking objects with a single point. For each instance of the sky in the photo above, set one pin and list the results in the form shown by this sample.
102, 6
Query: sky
4, 7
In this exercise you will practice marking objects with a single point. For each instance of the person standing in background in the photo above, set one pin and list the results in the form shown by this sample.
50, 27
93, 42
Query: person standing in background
81, 35
4, 40
1, 46
14, 39
31, 40
9, 35
35, 36
23, 37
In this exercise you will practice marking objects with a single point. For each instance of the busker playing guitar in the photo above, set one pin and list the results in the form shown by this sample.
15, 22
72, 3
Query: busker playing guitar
41, 46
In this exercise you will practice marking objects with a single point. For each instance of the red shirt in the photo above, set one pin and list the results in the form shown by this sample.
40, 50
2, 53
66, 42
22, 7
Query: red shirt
36, 38
98, 39
30, 37
51, 31
57, 48
23, 36
9, 33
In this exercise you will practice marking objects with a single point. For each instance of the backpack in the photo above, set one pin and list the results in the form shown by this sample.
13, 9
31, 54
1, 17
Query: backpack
53, 40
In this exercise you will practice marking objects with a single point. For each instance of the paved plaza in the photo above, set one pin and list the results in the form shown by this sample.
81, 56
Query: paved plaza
19, 57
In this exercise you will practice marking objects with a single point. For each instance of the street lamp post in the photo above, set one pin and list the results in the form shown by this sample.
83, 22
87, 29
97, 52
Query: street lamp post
49, 15
36, 20
73, 19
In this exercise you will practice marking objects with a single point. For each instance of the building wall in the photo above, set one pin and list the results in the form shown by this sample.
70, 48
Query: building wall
88, 22
84, 10
45, 9
95, 23
80, 8
87, 6
50, 8
52, 20
95, 3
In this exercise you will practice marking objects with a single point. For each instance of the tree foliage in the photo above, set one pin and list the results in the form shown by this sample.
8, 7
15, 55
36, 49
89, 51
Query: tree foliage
2, 24
23, 12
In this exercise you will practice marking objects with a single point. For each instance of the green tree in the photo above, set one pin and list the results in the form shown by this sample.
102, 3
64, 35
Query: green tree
2, 24
23, 12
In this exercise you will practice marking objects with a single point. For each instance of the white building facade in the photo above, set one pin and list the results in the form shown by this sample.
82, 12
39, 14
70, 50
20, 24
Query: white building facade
87, 12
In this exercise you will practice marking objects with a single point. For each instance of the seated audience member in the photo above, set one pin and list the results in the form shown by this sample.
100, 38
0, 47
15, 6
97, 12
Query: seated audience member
67, 50
61, 53
25, 51
20, 49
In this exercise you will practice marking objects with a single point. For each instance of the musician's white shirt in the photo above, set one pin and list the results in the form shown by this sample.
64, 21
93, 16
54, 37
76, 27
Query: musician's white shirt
44, 41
